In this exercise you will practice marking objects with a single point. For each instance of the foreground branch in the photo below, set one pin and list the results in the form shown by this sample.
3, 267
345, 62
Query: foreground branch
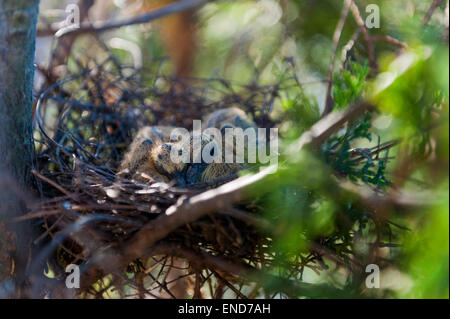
336, 37
102, 26
402, 201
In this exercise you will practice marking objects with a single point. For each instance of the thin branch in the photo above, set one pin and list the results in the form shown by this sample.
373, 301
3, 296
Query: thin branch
336, 37
326, 127
348, 47
55, 185
369, 41
249, 219
390, 40
430, 11
64, 46
403, 201
102, 26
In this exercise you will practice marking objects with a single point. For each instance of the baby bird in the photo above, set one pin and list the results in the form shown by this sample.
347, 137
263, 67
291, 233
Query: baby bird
223, 119
195, 147
230, 117
148, 158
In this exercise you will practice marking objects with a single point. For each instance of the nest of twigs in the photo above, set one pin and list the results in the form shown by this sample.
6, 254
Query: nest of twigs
84, 125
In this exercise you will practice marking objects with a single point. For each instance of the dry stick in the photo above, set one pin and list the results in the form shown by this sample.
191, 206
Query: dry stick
430, 11
400, 200
323, 129
52, 183
390, 40
36, 215
197, 286
101, 26
229, 285
369, 42
336, 37
64, 46
348, 47
249, 219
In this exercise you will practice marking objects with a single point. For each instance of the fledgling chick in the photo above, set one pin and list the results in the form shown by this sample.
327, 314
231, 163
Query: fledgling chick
148, 158
196, 150
223, 119
232, 117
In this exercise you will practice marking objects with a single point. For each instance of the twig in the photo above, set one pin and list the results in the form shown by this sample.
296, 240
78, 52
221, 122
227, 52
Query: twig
327, 126
430, 11
390, 40
446, 21
37, 215
199, 259
349, 46
336, 37
102, 26
378, 202
369, 42
64, 46
49, 181
247, 218
229, 285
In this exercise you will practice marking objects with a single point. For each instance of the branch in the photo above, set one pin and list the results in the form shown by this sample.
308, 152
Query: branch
199, 259
401, 200
446, 21
336, 37
349, 46
390, 40
430, 11
370, 47
326, 127
102, 26
64, 46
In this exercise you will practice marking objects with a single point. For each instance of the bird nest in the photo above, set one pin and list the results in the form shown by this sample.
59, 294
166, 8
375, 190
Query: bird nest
84, 125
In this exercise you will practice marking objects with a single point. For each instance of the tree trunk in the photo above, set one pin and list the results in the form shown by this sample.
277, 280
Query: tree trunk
18, 20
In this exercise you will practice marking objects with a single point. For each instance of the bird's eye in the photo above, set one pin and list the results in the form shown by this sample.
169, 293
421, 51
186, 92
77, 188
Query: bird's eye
212, 152
180, 152
160, 156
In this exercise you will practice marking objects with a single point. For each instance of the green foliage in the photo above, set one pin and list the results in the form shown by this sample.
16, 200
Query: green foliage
348, 85
425, 256
307, 208
301, 110
341, 155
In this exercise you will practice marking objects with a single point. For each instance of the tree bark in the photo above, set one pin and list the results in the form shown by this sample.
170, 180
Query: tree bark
18, 19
